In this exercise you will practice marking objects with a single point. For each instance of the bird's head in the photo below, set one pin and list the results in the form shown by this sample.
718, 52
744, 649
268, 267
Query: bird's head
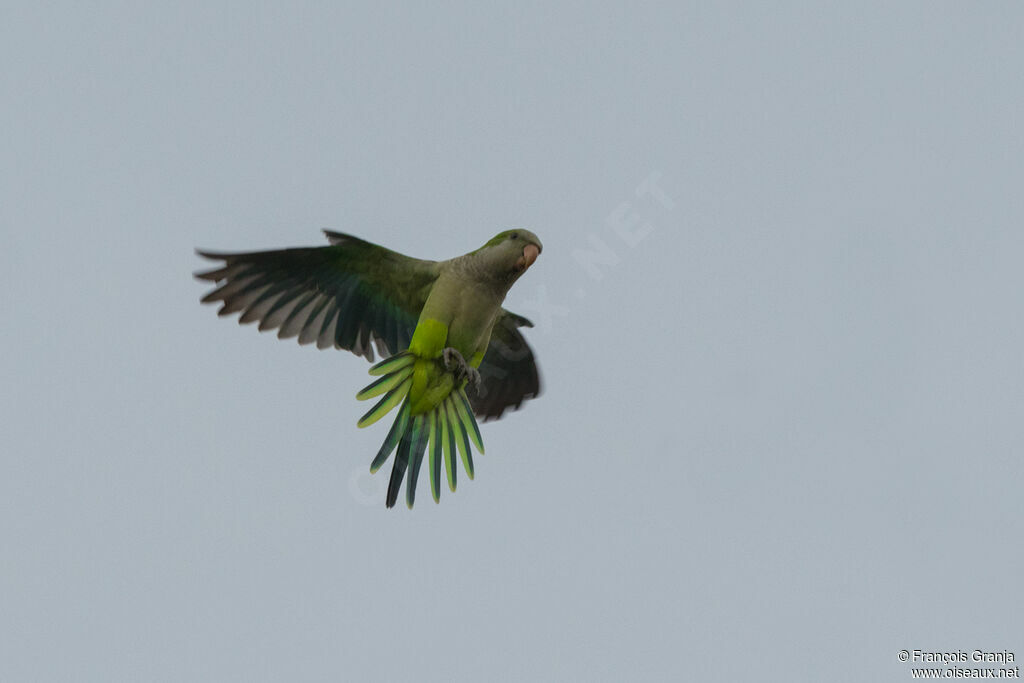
508, 254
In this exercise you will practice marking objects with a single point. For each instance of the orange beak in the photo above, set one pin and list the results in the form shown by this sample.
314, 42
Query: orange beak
530, 254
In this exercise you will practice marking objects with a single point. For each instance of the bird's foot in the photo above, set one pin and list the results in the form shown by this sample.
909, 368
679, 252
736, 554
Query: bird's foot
454, 362
473, 375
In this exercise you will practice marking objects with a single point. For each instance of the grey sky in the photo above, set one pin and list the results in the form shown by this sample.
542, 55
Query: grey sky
782, 428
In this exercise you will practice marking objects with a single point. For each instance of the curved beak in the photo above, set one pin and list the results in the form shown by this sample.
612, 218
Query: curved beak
530, 254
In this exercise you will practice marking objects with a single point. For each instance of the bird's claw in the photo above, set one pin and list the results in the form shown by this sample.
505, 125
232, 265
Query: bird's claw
454, 362
473, 375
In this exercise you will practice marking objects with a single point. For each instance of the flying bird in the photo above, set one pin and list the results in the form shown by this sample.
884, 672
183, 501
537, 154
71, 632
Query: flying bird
451, 352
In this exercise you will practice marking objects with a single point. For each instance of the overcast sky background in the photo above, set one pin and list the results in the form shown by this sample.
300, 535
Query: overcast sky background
782, 425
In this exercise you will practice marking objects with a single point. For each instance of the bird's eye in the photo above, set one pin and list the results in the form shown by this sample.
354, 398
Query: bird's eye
514, 236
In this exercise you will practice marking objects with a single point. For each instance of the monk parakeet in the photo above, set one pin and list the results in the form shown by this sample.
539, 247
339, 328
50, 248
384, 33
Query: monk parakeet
451, 352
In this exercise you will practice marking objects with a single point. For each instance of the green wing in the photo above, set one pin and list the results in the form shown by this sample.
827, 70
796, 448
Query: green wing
508, 371
347, 295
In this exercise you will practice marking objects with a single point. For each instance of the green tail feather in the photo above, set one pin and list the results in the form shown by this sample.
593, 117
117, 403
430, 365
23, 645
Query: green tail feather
385, 383
461, 439
418, 435
466, 413
448, 444
398, 469
395, 362
392, 439
434, 448
390, 400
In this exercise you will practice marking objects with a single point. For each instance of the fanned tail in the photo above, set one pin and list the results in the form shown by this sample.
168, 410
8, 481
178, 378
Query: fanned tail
448, 428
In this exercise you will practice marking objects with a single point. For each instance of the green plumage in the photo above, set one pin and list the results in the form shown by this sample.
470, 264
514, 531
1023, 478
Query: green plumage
384, 384
390, 400
468, 421
418, 437
393, 364
448, 448
391, 440
435, 455
458, 429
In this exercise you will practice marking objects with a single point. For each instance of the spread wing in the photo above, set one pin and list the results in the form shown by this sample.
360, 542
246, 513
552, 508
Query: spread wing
346, 295
508, 371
